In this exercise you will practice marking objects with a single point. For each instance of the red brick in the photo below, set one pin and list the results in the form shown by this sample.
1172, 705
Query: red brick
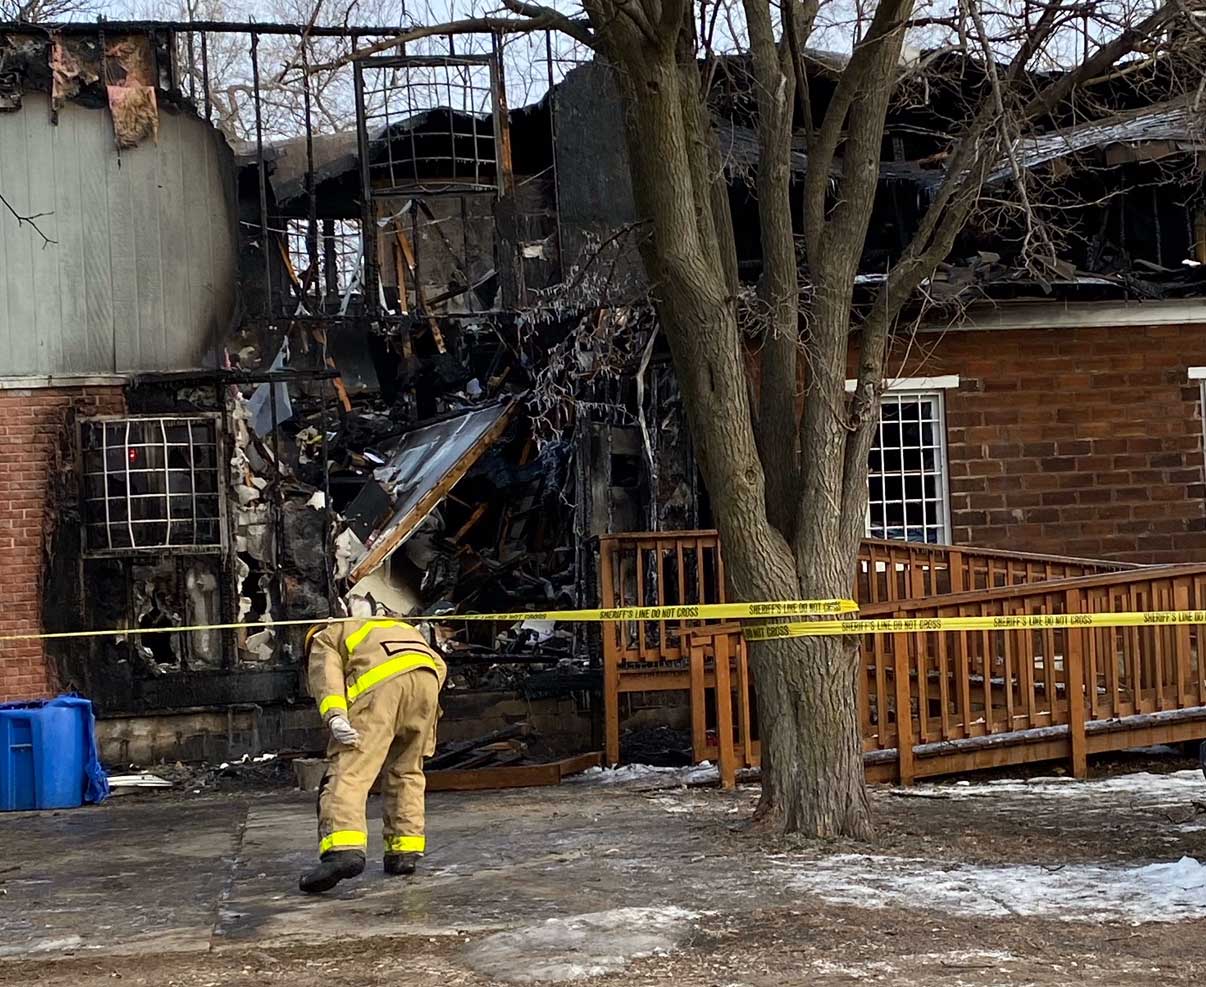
34, 426
1100, 424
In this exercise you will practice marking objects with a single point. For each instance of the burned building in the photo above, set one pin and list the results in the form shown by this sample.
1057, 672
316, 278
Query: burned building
337, 363
415, 359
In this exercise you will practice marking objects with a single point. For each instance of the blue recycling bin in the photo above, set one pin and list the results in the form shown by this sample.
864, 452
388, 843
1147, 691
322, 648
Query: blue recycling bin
48, 755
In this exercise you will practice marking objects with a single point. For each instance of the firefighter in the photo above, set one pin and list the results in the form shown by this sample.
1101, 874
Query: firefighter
377, 683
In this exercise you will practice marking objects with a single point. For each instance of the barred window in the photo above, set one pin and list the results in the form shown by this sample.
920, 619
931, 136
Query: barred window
151, 484
907, 472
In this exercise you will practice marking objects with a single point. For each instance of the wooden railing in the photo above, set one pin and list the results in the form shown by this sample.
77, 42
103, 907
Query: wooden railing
980, 699
686, 567
986, 698
891, 571
652, 569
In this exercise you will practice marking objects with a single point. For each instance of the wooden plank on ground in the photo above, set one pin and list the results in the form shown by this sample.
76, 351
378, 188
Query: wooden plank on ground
511, 776
576, 765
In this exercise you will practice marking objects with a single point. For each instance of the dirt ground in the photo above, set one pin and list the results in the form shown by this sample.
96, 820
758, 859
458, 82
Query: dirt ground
974, 884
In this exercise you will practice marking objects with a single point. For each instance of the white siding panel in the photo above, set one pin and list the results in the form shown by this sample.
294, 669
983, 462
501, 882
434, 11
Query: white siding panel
98, 261
123, 256
72, 336
144, 268
173, 232
17, 345
43, 195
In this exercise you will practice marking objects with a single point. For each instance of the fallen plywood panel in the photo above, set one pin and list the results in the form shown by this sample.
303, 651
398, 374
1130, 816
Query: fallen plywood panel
426, 464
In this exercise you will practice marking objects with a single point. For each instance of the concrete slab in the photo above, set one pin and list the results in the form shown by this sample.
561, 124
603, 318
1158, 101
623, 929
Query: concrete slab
581, 882
125, 876
158, 873
494, 860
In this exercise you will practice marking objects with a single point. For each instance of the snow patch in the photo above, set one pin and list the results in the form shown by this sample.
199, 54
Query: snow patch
976, 958
1177, 788
878, 969
647, 774
1166, 892
580, 946
41, 946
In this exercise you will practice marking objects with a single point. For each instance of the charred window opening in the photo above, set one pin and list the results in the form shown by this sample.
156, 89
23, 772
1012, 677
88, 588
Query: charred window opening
338, 252
627, 471
907, 471
150, 484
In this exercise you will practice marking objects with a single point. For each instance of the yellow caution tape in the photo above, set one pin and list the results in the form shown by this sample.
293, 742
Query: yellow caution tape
702, 611
1007, 622
772, 631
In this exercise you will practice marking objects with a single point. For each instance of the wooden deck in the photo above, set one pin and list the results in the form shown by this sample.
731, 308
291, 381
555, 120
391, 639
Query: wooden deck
975, 699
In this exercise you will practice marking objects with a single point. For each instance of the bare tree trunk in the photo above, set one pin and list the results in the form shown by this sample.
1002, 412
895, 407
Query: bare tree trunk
807, 706
808, 716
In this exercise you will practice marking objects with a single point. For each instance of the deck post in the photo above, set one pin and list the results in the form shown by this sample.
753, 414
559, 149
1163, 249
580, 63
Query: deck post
611, 663
699, 726
954, 564
1074, 682
904, 707
726, 757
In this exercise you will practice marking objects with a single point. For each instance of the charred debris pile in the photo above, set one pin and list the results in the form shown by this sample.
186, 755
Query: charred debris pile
450, 471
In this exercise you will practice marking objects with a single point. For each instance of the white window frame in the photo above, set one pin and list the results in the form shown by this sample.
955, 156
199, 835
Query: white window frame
1199, 374
930, 389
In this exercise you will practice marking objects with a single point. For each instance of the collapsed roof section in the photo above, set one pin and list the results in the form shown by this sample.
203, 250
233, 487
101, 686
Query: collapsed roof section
1177, 126
1119, 182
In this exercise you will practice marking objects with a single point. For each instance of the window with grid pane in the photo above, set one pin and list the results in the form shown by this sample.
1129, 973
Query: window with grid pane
907, 470
151, 484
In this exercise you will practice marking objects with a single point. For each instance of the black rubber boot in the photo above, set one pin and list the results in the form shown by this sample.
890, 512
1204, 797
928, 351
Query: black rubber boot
335, 866
401, 864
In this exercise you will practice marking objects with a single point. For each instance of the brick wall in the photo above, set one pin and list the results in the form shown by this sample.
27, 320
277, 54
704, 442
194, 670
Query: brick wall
1074, 441
33, 433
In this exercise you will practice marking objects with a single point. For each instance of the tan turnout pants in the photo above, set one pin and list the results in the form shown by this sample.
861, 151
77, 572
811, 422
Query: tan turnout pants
396, 720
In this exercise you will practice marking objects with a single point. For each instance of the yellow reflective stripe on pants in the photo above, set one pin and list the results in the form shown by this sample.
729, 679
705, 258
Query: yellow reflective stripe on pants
356, 638
405, 662
343, 839
405, 844
332, 702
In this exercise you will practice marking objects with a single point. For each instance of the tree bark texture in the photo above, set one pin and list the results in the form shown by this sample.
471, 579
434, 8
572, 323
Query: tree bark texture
813, 780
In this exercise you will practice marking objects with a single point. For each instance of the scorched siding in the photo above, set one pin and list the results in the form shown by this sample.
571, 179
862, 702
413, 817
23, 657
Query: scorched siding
142, 271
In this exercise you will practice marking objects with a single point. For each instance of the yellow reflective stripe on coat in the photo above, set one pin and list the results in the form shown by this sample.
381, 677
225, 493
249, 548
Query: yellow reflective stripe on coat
405, 662
330, 703
405, 844
343, 839
356, 638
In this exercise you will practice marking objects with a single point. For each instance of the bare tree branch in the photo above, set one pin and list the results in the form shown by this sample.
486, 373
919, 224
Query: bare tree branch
30, 220
534, 18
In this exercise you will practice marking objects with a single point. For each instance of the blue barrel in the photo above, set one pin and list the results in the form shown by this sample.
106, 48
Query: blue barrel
44, 755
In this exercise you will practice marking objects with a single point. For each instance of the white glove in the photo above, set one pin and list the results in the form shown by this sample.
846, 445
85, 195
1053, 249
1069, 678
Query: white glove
343, 731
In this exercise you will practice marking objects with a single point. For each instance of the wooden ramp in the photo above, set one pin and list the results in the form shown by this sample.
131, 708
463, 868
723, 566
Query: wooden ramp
975, 699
